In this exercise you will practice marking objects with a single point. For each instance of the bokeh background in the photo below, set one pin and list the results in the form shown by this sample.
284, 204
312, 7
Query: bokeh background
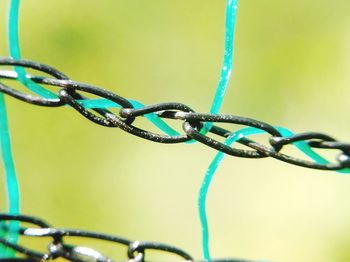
292, 62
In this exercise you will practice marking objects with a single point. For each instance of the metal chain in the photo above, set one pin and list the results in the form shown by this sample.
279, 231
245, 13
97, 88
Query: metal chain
70, 93
57, 247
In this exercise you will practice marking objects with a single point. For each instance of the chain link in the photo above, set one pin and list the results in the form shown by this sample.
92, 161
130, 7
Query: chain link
70, 93
58, 248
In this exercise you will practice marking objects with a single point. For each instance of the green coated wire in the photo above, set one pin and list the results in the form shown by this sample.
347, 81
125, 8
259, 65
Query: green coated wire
226, 70
234, 137
15, 52
227, 66
157, 121
103, 103
231, 13
152, 117
209, 175
12, 187
13, 35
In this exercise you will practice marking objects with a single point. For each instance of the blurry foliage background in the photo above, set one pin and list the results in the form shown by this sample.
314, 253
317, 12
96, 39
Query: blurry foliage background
292, 62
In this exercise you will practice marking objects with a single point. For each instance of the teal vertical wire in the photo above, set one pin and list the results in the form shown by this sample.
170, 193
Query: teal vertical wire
15, 51
227, 66
226, 71
234, 137
12, 187
231, 13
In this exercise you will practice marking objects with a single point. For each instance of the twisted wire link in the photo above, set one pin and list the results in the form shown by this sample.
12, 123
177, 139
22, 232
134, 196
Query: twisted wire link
58, 248
71, 93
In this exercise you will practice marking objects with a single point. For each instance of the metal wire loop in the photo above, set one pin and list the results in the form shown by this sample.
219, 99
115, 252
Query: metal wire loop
7, 61
156, 108
314, 140
195, 134
23, 218
148, 135
63, 233
48, 102
66, 94
76, 253
136, 251
192, 122
35, 100
43, 225
163, 110
159, 109
282, 141
292, 160
139, 247
345, 147
343, 158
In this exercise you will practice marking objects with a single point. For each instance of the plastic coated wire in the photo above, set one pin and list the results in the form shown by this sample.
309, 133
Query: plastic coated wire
209, 175
225, 75
98, 103
59, 245
279, 136
70, 93
226, 70
231, 13
11, 178
14, 46
15, 51
12, 187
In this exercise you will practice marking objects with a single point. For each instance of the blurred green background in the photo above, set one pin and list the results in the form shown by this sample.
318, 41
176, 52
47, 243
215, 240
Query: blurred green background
292, 62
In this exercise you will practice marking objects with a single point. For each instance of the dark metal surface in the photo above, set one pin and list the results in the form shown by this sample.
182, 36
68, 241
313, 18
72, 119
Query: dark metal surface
136, 251
17, 260
70, 91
